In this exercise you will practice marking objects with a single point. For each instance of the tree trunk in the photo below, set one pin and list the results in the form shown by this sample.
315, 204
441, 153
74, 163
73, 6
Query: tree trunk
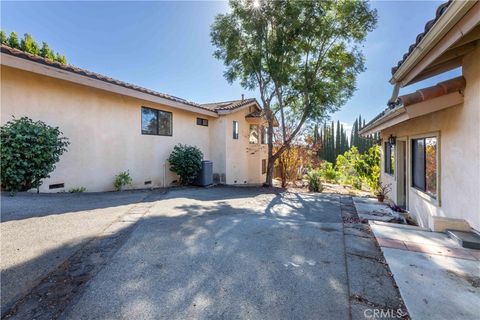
269, 179
270, 160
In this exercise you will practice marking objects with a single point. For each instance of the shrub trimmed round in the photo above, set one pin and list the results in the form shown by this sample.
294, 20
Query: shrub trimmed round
30, 150
186, 162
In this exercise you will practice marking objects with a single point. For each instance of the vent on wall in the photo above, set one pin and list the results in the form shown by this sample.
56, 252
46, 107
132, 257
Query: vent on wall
56, 186
148, 182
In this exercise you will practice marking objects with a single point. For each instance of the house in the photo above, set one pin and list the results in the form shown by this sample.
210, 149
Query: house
115, 126
431, 137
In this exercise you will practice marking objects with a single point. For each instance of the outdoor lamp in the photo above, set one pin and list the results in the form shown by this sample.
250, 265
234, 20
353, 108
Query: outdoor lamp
391, 140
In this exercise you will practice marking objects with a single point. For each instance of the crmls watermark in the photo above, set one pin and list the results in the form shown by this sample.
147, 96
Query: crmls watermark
383, 313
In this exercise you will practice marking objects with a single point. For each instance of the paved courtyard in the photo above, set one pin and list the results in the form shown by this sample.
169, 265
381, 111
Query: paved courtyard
217, 253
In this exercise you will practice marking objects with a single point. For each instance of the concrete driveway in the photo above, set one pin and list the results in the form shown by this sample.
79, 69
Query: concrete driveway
225, 253
38, 232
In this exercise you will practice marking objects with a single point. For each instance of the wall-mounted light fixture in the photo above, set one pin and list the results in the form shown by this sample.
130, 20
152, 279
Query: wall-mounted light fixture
391, 140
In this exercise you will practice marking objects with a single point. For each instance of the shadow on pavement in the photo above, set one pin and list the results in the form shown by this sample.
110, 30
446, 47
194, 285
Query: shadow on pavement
222, 257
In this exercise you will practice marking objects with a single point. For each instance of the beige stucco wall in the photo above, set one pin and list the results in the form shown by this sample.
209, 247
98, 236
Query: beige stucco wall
244, 159
458, 129
104, 130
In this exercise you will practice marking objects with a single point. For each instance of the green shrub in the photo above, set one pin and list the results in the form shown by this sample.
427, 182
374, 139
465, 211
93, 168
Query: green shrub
121, 180
328, 173
368, 167
77, 190
186, 162
314, 178
346, 166
357, 183
30, 151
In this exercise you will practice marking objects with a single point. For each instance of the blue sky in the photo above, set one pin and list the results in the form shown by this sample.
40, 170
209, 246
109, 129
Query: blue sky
165, 46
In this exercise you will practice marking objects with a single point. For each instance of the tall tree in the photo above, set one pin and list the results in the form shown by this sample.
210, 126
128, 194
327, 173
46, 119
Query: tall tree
46, 52
3, 37
303, 56
338, 140
13, 40
29, 45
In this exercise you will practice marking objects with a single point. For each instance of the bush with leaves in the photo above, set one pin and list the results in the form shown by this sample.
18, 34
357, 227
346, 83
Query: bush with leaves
121, 180
314, 178
328, 173
30, 151
368, 167
186, 161
345, 166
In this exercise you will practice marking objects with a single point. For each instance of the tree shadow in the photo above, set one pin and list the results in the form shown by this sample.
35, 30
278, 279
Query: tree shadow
25, 205
224, 258
222, 261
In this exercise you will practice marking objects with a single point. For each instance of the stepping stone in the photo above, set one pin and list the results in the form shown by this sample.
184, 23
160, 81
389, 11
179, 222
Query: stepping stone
469, 240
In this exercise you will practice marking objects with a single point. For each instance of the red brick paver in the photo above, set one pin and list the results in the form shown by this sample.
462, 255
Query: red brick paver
442, 251
392, 243
460, 253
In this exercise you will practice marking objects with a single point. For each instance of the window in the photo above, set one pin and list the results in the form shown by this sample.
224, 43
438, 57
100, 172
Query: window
235, 129
424, 165
253, 136
156, 122
389, 158
202, 122
264, 135
264, 166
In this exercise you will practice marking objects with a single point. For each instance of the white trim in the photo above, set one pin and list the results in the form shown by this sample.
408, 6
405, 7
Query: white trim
35, 67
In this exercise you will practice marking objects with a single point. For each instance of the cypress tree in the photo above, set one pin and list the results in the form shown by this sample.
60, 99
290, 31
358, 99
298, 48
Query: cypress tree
3, 37
13, 40
338, 141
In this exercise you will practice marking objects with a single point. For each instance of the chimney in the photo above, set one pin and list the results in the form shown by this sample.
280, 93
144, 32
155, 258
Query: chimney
243, 96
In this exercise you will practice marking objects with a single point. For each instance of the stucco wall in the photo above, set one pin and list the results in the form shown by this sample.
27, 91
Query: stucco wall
458, 128
243, 165
104, 130
218, 138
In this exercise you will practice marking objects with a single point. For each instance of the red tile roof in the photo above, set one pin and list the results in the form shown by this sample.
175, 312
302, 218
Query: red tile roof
27, 56
440, 89
440, 11
228, 105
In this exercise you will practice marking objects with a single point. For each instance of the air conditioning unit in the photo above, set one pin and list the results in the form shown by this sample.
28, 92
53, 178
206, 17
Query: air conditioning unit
205, 176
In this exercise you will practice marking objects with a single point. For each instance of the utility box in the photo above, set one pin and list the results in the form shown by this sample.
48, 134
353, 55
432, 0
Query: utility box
205, 176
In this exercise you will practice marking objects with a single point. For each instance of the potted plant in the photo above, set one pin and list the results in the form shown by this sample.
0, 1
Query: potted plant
382, 190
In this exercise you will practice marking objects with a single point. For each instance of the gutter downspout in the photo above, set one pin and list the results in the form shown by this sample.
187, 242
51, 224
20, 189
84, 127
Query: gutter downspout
393, 99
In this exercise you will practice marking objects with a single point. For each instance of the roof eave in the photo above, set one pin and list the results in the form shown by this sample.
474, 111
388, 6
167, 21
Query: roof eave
373, 127
38, 68
229, 111
444, 24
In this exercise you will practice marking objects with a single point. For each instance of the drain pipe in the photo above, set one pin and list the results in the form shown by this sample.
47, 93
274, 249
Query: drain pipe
393, 99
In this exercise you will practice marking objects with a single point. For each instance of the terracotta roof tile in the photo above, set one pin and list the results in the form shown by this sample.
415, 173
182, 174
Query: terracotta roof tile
440, 11
227, 105
27, 56
440, 89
